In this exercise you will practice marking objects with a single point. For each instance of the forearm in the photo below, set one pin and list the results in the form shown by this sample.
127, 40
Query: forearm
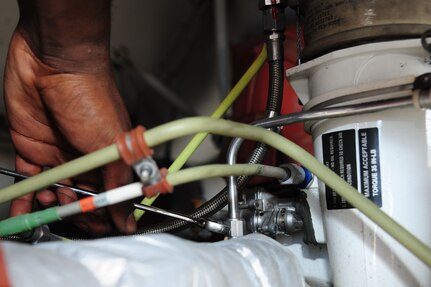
67, 33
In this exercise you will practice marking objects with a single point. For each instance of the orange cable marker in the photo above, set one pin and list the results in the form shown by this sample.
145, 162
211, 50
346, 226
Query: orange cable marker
87, 204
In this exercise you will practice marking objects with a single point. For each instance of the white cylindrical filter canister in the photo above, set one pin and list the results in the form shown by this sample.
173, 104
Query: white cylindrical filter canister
386, 155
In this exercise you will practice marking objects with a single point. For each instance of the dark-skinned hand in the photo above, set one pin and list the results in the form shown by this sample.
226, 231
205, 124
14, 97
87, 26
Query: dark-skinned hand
59, 109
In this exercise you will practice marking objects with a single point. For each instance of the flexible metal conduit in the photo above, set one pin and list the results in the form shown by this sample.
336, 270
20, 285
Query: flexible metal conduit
275, 50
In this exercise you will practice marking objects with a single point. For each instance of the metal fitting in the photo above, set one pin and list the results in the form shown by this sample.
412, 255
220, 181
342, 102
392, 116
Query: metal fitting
39, 234
297, 175
277, 221
274, 46
216, 227
275, 216
147, 171
288, 221
237, 227
273, 15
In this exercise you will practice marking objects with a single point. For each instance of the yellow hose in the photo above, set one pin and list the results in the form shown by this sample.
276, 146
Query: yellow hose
217, 114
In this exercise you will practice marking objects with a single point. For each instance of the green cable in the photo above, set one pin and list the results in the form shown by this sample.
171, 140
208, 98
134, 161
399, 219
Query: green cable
27, 222
197, 140
189, 126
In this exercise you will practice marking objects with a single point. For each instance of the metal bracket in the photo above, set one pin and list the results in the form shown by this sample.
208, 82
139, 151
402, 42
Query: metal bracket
147, 171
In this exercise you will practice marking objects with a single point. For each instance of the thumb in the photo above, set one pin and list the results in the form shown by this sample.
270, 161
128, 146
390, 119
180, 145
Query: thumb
23, 204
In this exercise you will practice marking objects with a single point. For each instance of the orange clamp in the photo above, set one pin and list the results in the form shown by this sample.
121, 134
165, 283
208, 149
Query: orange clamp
162, 186
132, 146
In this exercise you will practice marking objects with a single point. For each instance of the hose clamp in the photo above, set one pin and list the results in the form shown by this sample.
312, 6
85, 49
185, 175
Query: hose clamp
153, 179
135, 152
132, 146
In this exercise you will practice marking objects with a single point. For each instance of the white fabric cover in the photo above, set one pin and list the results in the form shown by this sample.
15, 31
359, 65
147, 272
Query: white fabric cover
154, 260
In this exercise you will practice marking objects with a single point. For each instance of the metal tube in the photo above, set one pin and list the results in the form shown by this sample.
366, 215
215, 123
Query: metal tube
335, 112
167, 213
233, 198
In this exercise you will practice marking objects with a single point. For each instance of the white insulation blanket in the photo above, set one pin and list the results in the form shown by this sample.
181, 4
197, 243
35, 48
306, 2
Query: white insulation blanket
153, 260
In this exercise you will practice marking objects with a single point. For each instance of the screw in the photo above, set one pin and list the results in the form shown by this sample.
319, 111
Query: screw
145, 174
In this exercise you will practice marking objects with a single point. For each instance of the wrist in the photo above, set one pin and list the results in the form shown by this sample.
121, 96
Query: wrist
67, 35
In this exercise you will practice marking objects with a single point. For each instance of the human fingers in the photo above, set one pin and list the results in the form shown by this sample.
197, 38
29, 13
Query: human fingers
114, 175
24, 203
95, 223
46, 198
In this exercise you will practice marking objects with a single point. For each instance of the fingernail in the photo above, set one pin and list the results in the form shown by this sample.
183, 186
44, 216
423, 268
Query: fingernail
131, 224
